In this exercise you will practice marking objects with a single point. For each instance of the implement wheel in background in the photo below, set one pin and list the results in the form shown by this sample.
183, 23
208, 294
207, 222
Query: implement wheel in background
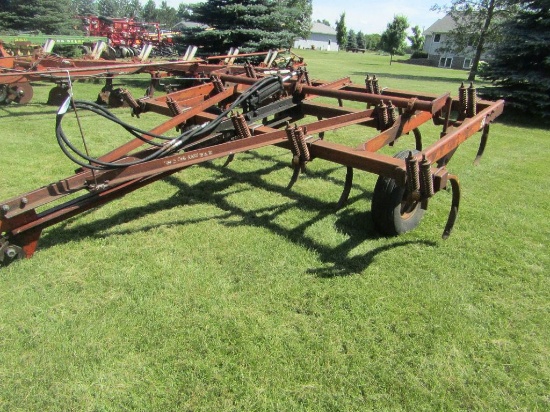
391, 212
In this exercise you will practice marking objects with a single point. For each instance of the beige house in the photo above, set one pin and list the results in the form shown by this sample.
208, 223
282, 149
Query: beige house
322, 37
436, 38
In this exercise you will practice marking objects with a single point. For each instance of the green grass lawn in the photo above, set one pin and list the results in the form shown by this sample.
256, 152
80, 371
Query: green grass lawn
219, 289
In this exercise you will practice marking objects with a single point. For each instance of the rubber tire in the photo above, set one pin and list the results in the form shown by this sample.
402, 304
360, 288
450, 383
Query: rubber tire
387, 202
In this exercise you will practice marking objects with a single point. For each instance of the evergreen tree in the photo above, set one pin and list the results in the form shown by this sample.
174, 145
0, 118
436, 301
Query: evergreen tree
417, 39
84, 7
352, 40
360, 38
342, 32
393, 39
250, 24
520, 68
149, 11
46, 16
167, 15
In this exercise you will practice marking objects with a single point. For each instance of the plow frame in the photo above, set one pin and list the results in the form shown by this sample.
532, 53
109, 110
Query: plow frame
416, 175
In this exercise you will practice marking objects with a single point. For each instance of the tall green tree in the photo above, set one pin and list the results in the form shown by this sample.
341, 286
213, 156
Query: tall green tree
250, 24
84, 7
352, 40
520, 67
360, 39
417, 39
167, 15
46, 16
477, 25
392, 40
372, 41
342, 32
149, 12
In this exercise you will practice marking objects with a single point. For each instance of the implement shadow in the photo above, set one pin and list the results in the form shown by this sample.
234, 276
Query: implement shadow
217, 192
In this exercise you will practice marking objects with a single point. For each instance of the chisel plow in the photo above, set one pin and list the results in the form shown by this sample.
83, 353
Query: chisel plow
236, 113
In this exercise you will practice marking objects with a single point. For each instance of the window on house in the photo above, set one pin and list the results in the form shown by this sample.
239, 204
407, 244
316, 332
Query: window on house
437, 38
467, 64
445, 62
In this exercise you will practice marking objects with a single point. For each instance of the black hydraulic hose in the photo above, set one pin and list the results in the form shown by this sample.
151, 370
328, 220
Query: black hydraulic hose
174, 143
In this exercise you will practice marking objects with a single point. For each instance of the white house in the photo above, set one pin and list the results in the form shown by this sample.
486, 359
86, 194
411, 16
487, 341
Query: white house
322, 37
436, 37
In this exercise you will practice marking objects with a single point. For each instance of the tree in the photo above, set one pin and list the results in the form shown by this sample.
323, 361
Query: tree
185, 11
477, 25
417, 39
352, 40
372, 41
393, 39
83, 7
250, 25
520, 68
360, 39
341, 32
149, 12
167, 15
46, 16
324, 21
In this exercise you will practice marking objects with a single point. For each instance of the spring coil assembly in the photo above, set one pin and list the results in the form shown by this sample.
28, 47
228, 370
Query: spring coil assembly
413, 177
463, 99
241, 128
250, 72
298, 147
131, 102
368, 84
375, 85
218, 85
426, 181
383, 116
175, 109
472, 101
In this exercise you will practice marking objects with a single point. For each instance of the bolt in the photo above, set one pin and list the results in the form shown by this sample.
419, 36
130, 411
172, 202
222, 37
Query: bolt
24, 201
5, 208
10, 252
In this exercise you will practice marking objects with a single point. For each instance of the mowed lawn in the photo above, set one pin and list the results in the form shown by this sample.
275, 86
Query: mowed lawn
220, 289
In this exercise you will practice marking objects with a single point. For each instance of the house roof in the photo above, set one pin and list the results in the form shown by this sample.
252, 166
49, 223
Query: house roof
443, 25
321, 28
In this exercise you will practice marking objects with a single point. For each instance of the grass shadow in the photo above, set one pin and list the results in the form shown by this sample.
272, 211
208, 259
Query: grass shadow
217, 191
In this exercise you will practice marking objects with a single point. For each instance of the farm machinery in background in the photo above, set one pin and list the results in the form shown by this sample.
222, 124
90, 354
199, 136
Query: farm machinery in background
234, 113
16, 72
126, 36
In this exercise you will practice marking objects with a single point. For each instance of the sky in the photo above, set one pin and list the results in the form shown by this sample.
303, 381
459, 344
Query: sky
368, 16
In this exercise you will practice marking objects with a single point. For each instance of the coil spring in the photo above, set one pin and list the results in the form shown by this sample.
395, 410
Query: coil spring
413, 178
218, 85
375, 85
239, 123
463, 98
383, 119
392, 114
250, 72
131, 101
427, 184
294, 148
300, 137
174, 107
368, 84
472, 101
